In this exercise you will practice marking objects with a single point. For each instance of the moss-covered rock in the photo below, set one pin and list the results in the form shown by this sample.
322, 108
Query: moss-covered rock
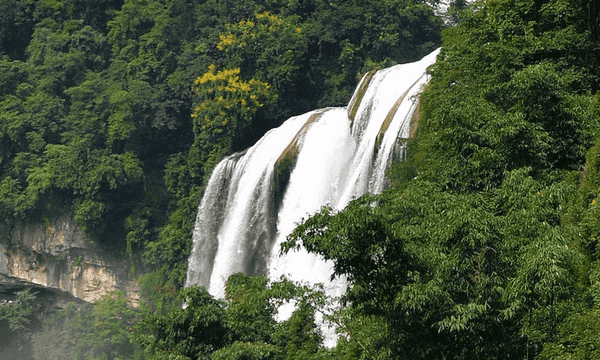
414, 122
287, 160
390, 116
360, 93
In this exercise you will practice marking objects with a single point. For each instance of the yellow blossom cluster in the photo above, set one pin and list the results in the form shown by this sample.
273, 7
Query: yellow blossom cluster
223, 93
226, 40
211, 75
249, 29
274, 19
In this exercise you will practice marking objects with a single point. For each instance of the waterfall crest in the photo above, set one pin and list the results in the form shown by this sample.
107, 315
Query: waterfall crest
255, 198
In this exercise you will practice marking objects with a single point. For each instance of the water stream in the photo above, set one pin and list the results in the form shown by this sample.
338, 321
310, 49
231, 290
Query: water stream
255, 198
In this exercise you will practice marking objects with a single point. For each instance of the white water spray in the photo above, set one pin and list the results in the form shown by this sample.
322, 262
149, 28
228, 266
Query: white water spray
256, 198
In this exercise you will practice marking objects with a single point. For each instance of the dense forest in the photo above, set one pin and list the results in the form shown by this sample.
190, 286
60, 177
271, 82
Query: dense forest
484, 247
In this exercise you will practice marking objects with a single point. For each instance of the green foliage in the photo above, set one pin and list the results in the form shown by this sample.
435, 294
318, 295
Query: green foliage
100, 331
16, 27
348, 38
245, 351
511, 91
190, 324
96, 98
477, 252
299, 337
56, 136
436, 274
19, 312
579, 338
191, 332
250, 313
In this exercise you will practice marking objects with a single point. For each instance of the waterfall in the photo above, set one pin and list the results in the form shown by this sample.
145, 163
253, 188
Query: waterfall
255, 198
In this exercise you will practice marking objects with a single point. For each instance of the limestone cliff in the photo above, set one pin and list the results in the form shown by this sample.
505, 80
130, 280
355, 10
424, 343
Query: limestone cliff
55, 257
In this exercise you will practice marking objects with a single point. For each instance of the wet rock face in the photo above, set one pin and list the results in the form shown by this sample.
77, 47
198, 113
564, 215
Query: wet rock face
55, 254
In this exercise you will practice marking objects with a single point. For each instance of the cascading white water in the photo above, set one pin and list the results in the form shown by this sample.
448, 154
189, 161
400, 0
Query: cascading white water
252, 201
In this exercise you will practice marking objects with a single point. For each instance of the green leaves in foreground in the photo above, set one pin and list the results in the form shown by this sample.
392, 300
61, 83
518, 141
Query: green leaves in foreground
99, 331
18, 313
241, 327
457, 275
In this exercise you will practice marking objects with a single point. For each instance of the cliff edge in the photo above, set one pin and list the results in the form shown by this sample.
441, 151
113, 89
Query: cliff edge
56, 256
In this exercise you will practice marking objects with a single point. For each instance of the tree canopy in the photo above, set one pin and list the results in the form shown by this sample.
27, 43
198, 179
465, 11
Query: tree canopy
116, 111
484, 248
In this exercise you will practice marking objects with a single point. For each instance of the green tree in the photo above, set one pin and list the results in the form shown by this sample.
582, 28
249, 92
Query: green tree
479, 253
60, 150
273, 49
252, 304
246, 351
513, 69
439, 274
99, 331
193, 331
299, 337
349, 38
19, 318
250, 311
16, 27
19, 312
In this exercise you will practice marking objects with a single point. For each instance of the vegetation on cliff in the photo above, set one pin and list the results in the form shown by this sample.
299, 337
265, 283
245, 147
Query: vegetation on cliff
117, 110
485, 248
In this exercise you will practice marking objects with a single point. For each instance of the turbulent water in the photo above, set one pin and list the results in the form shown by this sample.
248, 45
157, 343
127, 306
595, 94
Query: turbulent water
254, 199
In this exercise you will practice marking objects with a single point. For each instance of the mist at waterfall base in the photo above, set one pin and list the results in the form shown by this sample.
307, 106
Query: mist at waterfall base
331, 156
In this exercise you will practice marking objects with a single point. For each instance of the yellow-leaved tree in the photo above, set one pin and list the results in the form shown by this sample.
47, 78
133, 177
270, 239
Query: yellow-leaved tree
227, 106
271, 48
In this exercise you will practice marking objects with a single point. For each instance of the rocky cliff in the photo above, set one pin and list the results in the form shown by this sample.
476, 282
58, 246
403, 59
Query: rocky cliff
56, 259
